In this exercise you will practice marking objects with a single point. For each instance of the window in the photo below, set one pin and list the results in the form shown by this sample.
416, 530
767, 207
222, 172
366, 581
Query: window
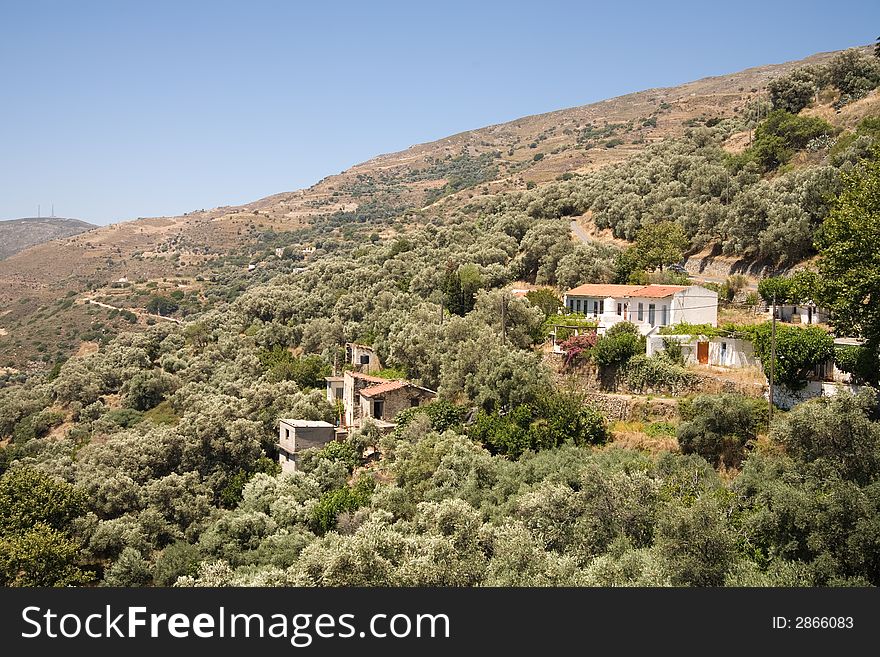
652, 314
663, 321
378, 409
365, 359
595, 307
641, 312
578, 302
620, 309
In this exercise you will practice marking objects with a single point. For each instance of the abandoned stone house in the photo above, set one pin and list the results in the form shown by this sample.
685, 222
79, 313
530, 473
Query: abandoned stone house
362, 357
364, 396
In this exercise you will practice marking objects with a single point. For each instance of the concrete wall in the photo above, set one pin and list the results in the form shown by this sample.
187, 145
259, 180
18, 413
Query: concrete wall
335, 390
738, 353
695, 305
655, 344
294, 439
787, 399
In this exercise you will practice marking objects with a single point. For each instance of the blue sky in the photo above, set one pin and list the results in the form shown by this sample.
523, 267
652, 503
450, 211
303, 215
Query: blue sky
115, 110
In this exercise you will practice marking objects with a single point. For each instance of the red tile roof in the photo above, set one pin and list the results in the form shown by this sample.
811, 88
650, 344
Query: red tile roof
593, 290
647, 291
382, 388
659, 291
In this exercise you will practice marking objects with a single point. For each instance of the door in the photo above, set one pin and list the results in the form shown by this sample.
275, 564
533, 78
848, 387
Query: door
703, 352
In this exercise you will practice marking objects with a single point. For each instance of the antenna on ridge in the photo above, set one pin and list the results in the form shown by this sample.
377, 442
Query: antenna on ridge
38, 210
53, 209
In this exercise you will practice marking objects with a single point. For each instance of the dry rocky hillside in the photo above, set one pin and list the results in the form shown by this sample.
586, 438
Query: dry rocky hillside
16, 235
442, 174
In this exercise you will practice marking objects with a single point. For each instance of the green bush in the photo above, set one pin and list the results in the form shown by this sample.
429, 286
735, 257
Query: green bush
555, 420
782, 134
443, 415
332, 503
718, 427
862, 363
620, 343
658, 373
798, 351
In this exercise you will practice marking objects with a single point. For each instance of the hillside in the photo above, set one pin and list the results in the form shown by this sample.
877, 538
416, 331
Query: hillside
160, 379
375, 200
19, 234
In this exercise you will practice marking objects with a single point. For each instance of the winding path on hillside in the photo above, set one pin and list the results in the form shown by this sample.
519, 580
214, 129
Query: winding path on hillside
136, 311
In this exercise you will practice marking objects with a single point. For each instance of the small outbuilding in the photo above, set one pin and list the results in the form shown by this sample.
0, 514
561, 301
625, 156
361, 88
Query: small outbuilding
296, 435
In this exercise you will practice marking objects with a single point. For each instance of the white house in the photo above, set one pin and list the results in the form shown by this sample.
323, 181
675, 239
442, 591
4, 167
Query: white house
718, 351
646, 306
805, 313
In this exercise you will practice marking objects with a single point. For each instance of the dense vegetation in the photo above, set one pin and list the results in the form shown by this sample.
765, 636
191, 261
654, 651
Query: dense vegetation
152, 461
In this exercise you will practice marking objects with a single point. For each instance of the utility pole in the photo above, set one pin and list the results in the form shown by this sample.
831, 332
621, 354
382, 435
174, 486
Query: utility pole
772, 353
503, 317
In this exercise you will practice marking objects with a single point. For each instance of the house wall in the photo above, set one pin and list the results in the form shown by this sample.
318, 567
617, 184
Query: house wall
655, 344
292, 440
351, 389
587, 305
738, 353
818, 315
396, 401
335, 391
800, 312
661, 317
695, 305
360, 353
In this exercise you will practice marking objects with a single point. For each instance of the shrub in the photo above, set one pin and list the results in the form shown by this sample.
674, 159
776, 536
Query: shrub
554, 420
718, 427
798, 351
443, 415
657, 373
794, 91
332, 503
780, 136
578, 348
619, 344
862, 363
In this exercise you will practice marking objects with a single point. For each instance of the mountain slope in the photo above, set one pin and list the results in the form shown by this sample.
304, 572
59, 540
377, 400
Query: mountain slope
383, 195
19, 234
497, 158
